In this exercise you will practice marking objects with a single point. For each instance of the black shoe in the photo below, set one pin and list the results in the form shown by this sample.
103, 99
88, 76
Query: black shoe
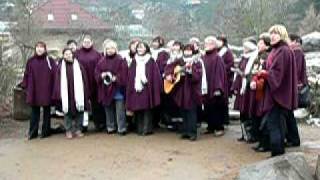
32, 137
208, 132
251, 141
99, 128
44, 136
146, 133
241, 139
184, 136
123, 133
262, 149
111, 132
84, 129
276, 154
290, 144
256, 147
193, 138
156, 126
172, 128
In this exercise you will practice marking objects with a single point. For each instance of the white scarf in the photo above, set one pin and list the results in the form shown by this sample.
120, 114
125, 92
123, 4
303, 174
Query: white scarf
223, 51
77, 84
125, 55
141, 78
48, 61
204, 83
189, 60
155, 53
174, 56
252, 57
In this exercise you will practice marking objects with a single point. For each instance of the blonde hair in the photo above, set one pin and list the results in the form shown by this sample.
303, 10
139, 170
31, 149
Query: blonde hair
109, 43
281, 30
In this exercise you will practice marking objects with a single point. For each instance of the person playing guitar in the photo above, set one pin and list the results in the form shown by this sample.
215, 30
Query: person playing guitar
183, 82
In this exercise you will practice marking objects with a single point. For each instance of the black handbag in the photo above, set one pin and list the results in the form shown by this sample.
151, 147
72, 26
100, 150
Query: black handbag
304, 100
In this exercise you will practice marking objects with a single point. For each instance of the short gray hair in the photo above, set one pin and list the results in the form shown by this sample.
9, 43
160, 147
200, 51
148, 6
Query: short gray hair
214, 40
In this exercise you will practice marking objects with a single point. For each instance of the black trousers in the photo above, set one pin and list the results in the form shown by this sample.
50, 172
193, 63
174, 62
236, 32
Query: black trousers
201, 115
157, 113
246, 125
256, 132
292, 134
189, 124
98, 115
264, 141
226, 115
275, 124
215, 111
144, 121
165, 111
131, 124
34, 122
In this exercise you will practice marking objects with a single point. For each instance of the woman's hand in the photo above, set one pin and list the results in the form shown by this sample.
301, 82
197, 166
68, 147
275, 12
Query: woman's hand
253, 85
103, 75
217, 93
169, 78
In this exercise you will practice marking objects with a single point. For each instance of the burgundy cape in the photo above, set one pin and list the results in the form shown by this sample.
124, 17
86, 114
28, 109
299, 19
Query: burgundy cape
38, 80
119, 68
150, 95
229, 63
162, 59
56, 96
281, 84
89, 58
186, 93
236, 86
216, 76
246, 103
301, 65
257, 104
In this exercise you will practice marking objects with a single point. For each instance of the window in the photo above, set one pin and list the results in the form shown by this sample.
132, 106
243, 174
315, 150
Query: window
74, 17
50, 17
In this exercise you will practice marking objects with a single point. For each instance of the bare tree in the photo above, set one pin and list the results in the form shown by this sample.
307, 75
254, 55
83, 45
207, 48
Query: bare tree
25, 31
243, 18
311, 22
171, 21
317, 6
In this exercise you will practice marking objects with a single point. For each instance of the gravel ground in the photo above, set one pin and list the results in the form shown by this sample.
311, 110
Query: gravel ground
160, 156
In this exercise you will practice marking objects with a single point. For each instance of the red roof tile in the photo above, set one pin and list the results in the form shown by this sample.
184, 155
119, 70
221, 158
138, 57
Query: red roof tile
62, 11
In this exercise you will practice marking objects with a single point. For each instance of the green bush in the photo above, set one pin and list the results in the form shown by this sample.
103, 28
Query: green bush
8, 79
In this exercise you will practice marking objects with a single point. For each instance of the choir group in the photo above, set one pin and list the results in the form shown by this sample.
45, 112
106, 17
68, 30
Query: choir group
175, 85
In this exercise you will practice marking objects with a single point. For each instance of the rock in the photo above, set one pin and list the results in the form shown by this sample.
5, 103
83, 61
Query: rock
291, 166
301, 113
311, 42
313, 145
318, 169
313, 58
314, 122
21, 110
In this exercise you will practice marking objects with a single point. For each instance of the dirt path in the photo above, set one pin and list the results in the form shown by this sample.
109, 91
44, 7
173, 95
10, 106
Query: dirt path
102, 156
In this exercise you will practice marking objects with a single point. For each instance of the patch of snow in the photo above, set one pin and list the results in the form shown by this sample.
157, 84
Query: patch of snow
314, 122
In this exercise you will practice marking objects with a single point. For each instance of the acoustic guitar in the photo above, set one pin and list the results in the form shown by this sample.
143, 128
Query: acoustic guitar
177, 73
